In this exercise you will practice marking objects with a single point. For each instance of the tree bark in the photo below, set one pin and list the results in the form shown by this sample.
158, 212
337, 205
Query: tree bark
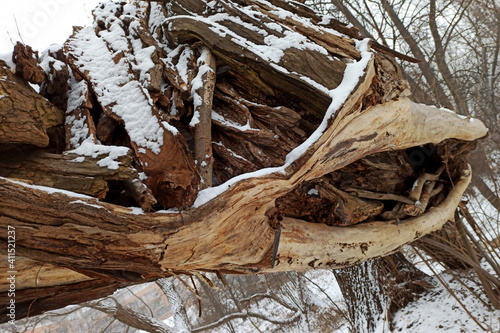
376, 289
203, 101
181, 320
26, 61
64, 172
25, 115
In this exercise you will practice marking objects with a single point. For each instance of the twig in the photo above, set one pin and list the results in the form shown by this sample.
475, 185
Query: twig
342, 312
36, 291
267, 281
197, 294
18, 32
206, 280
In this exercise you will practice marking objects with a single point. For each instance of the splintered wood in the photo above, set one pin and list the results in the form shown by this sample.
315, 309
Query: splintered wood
225, 136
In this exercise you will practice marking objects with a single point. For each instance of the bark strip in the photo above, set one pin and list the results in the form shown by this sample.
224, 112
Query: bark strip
203, 111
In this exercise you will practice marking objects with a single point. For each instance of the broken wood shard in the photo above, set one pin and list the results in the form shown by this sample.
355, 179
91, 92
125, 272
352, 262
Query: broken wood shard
26, 61
25, 115
203, 89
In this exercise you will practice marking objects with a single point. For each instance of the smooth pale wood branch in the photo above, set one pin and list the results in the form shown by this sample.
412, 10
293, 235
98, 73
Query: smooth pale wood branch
348, 246
79, 125
140, 193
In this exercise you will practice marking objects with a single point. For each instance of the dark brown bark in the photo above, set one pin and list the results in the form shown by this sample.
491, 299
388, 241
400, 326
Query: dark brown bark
71, 172
26, 61
25, 115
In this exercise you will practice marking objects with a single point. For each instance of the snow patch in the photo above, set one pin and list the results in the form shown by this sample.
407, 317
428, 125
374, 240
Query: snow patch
313, 191
89, 148
197, 83
46, 59
136, 210
422, 315
7, 57
35, 87
114, 90
230, 151
86, 204
79, 159
50, 190
220, 119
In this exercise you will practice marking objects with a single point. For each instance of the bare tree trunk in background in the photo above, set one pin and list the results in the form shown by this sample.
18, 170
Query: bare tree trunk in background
181, 320
352, 18
490, 195
419, 94
376, 289
481, 168
451, 82
127, 316
424, 66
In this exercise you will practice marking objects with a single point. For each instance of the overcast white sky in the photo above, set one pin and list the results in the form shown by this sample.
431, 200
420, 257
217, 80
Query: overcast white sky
42, 22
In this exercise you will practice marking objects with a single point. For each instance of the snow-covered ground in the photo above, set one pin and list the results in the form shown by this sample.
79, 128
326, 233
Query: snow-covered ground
439, 311
436, 311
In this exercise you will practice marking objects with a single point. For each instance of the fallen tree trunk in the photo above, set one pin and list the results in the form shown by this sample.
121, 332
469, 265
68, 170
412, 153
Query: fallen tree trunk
66, 172
300, 113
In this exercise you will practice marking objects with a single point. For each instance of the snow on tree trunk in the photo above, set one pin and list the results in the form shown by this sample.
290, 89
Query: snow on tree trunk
128, 316
181, 321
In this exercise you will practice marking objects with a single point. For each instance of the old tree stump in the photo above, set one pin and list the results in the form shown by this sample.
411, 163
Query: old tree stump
246, 136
